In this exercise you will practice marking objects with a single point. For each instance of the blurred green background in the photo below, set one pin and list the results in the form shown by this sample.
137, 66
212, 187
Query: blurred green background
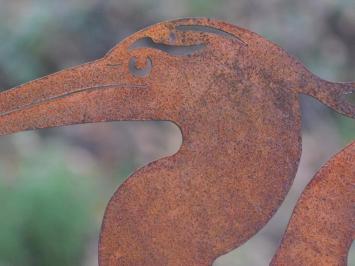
55, 184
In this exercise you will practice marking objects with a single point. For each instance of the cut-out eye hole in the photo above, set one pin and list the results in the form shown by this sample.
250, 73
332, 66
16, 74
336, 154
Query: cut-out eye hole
350, 97
172, 37
175, 50
140, 72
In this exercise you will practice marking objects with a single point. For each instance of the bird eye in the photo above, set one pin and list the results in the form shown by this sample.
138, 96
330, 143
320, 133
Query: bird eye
350, 96
172, 37
138, 70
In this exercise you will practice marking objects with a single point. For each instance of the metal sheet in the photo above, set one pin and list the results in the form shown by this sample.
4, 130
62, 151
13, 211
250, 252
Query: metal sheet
321, 229
235, 97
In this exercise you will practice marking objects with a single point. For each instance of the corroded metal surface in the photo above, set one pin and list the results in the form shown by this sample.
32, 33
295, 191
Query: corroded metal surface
235, 97
322, 226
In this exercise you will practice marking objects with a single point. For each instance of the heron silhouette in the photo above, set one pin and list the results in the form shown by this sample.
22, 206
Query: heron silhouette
235, 97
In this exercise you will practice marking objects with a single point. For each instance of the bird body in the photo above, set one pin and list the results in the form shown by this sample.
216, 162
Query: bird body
321, 229
235, 97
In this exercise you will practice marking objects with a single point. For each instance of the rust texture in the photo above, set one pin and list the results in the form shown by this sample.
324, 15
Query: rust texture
235, 97
321, 228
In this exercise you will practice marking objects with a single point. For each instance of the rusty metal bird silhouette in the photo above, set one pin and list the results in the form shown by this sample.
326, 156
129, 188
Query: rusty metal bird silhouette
321, 228
235, 97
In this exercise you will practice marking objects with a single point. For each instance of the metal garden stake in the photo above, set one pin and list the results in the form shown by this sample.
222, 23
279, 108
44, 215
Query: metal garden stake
235, 97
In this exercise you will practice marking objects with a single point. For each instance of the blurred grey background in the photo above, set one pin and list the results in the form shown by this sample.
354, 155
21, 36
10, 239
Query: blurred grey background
55, 184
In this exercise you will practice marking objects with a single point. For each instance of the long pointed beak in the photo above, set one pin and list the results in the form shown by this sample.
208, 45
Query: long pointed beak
92, 92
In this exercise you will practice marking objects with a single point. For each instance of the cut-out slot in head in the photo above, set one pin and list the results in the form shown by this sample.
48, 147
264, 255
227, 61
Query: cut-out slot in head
209, 29
174, 50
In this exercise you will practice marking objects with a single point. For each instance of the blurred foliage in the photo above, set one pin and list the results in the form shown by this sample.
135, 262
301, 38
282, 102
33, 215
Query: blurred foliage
202, 7
346, 129
48, 213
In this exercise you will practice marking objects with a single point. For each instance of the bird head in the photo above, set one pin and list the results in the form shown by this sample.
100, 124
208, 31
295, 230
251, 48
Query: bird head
162, 71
